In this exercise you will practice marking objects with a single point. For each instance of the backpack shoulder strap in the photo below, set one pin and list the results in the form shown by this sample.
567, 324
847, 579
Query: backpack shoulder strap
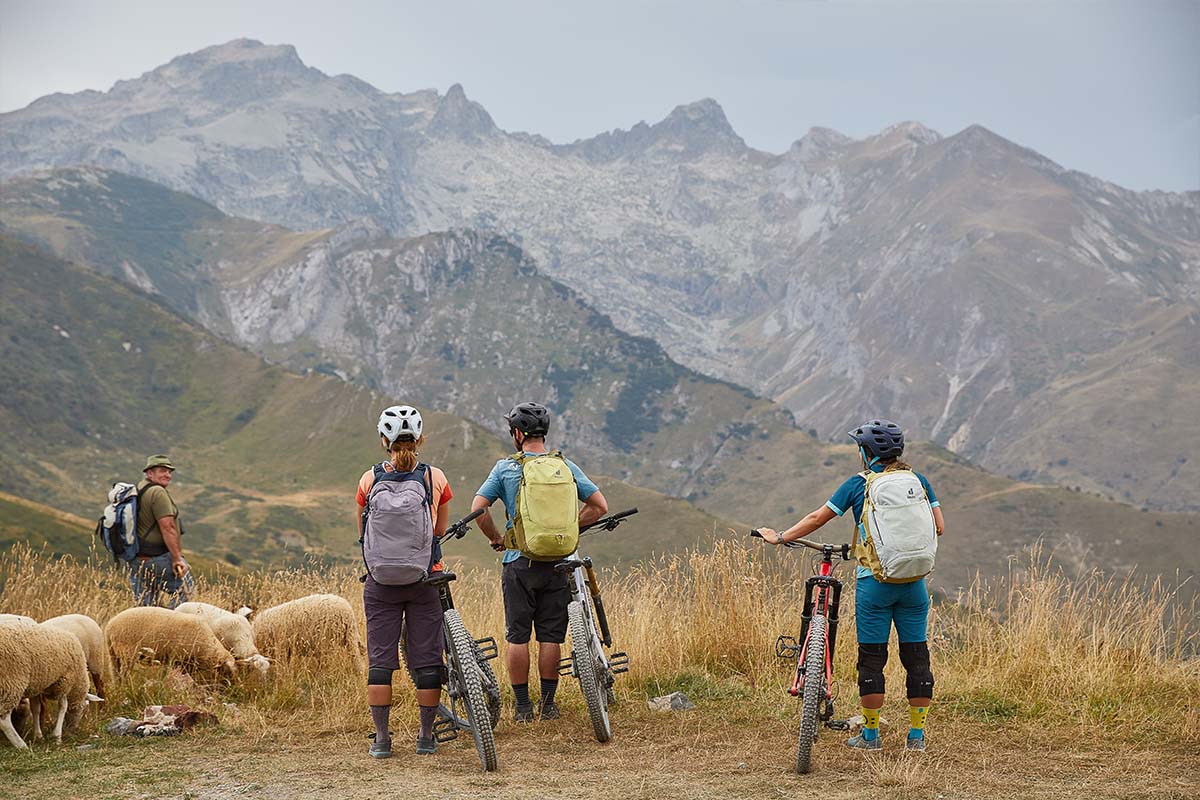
426, 478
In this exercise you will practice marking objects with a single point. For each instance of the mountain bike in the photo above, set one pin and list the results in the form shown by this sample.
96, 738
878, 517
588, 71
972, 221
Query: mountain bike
587, 625
813, 651
471, 687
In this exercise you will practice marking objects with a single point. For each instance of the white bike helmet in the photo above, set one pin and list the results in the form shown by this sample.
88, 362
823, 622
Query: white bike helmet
400, 422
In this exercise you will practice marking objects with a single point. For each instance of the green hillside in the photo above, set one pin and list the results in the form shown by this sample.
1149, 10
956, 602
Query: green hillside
268, 460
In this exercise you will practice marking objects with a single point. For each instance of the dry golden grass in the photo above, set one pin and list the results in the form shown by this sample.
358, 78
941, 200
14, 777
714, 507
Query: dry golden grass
1037, 663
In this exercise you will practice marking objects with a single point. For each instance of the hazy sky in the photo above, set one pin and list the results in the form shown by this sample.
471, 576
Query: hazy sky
1110, 88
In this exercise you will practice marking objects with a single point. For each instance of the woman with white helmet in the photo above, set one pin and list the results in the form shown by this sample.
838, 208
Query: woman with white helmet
402, 512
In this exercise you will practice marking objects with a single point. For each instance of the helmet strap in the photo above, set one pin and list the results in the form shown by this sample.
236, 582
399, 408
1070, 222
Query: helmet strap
862, 452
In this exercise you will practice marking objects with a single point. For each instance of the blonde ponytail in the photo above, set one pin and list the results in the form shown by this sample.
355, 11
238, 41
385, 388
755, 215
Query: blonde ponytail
404, 454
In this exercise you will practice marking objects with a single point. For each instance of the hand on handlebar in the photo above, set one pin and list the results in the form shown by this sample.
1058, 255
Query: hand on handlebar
770, 535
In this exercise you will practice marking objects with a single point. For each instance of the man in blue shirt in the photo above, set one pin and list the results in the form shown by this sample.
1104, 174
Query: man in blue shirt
877, 606
535, 596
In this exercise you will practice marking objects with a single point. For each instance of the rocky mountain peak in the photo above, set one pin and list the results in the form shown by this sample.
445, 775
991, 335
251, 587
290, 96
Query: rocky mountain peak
818, 143
702, 123
460, 117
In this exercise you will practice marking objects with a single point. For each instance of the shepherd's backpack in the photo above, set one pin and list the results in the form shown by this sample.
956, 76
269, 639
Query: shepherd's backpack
397, 531
900, 540
117, 527
546, 522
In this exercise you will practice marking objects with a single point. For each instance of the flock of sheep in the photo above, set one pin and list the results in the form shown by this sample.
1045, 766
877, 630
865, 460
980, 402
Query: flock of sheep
52, 662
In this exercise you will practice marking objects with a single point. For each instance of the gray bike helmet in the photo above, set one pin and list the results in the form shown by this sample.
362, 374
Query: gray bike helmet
531, 419
880, 440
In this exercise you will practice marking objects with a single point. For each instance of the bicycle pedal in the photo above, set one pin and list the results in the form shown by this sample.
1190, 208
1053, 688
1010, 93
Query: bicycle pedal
445, 729
566, 666
618, 663
487, 648
787, 647
837, 724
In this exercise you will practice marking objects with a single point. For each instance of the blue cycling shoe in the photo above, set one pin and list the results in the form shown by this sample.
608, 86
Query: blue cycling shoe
859, 743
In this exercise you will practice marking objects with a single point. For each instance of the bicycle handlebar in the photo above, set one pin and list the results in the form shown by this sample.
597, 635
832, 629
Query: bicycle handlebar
610, 522
841, 549
459, 529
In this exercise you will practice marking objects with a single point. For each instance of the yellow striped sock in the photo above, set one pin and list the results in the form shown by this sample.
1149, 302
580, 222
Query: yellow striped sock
916, 719
870, 723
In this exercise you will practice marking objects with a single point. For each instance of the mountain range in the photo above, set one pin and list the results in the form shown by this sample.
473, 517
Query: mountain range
1020, 314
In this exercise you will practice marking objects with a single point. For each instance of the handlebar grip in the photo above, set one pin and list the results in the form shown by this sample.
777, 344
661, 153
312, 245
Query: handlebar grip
756, 533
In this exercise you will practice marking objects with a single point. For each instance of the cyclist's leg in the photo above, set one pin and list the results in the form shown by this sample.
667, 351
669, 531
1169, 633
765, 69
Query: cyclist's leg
519, 604
553, 592
873, 621
424, 645
912, 621
384, 620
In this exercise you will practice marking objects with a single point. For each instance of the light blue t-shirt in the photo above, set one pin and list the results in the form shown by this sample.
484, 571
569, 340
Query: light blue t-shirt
851, 495
504, 480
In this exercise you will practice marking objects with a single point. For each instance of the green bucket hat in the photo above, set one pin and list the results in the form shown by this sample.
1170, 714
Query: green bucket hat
158, 461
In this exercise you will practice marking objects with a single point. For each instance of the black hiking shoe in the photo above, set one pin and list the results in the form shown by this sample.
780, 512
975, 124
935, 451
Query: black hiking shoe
549, 710
524, 713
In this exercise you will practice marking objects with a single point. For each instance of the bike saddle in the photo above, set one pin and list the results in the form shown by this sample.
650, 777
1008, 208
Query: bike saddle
568, 565
439, 578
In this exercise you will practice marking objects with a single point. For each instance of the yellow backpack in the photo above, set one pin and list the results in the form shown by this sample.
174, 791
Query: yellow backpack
546, 522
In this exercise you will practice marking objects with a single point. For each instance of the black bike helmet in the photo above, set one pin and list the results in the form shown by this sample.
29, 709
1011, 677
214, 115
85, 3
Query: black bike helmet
531, 419
880, 439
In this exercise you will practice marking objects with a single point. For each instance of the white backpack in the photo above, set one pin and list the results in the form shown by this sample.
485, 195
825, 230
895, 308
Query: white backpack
901, 536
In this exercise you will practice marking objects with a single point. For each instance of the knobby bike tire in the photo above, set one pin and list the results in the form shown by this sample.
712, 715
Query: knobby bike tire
465, 665
814, 691
491, 686
584, 662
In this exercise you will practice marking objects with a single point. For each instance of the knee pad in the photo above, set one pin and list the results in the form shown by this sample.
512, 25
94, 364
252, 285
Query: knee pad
379, 676
872, 658
915, 658
429, 677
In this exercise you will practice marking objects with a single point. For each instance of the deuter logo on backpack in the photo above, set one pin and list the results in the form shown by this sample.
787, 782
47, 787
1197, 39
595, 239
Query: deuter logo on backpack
117, 527
900, 536
397, 538
546, 524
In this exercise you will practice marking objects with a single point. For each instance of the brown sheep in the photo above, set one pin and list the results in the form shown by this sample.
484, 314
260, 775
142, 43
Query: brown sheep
184, 639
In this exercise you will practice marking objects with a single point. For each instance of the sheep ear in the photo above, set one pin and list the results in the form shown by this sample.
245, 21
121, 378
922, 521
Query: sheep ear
244, 611
94, 698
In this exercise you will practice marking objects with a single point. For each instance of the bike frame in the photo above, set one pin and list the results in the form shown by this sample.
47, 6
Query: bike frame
827, 601
581, 592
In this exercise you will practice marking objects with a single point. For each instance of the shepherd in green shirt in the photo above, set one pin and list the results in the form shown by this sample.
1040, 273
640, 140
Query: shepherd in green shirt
159, 564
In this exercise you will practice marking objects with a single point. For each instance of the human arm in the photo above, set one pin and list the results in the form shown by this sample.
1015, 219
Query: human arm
169, 528
811, 521
486, 525
594, 507
938, 522
443, 519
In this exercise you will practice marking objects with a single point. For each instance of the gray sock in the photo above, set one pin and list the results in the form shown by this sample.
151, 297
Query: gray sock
549, 687
521, 692
379, 715
428, 715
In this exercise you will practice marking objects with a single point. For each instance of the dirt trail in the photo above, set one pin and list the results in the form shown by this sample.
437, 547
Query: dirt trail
698, 756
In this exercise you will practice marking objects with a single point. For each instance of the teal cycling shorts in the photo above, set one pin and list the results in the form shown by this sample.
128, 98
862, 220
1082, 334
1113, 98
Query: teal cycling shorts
878, 605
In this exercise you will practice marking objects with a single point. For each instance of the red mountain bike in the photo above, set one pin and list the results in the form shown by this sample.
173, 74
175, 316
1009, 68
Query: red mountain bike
814, 649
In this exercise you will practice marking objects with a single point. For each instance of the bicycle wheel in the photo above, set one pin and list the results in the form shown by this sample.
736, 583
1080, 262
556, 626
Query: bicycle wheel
814, 690
585, 664
491, 686
466, 686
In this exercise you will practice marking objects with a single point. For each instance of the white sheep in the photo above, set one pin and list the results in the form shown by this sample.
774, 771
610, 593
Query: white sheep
232, 629
45, 665
184, 639
319, 625
88, 632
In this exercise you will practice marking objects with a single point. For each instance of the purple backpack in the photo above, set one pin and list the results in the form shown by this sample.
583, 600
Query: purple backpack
397, 540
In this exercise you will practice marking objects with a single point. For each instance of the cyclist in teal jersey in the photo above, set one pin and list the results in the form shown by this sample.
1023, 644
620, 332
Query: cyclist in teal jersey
878, 606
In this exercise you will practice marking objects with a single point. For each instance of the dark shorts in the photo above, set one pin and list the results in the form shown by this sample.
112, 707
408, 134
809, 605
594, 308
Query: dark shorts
419, 609
535, 595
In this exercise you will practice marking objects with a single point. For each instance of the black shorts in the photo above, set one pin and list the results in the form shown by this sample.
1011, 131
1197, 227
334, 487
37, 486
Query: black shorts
535, 596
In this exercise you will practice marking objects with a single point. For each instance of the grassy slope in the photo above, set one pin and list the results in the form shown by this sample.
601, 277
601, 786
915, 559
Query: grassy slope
268, 459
